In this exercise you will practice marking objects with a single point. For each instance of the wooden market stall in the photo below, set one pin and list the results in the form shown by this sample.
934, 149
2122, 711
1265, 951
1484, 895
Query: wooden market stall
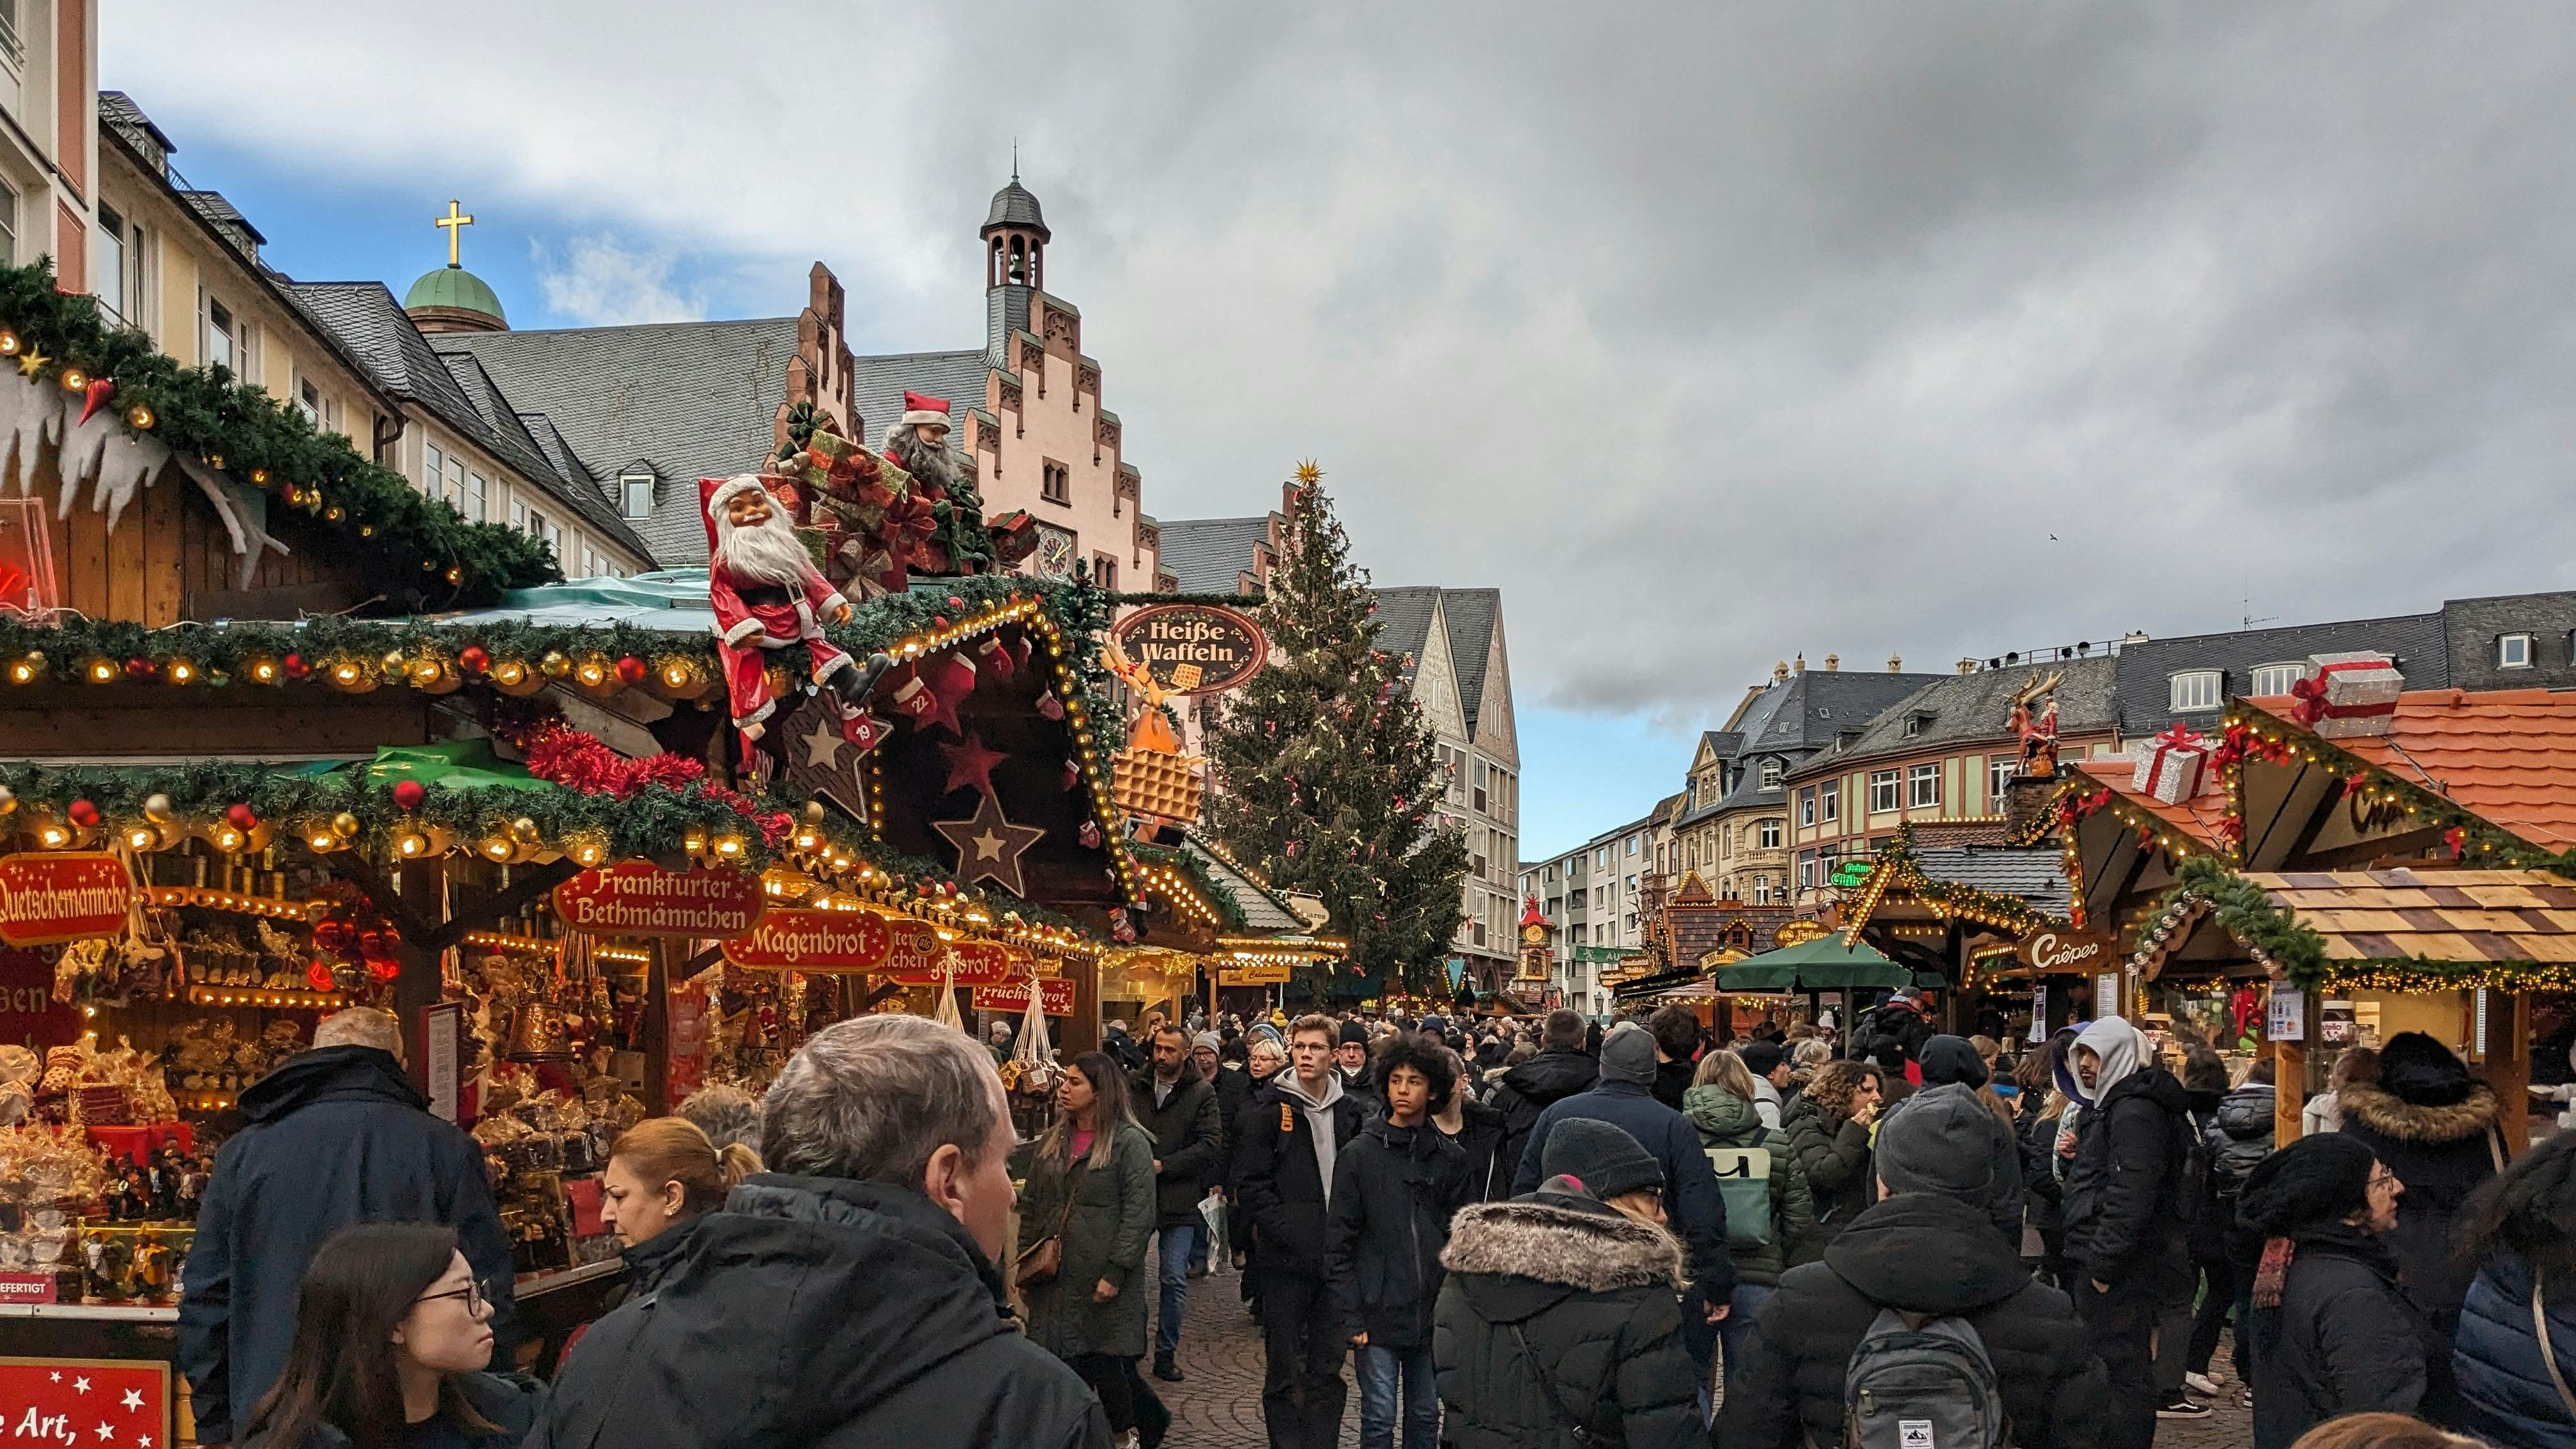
1960, 915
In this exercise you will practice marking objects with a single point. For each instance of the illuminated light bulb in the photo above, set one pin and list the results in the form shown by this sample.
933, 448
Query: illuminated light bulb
347, 671
228, 839
411, 844
592, 673
509, 671
142, 837
729, 846
498, 848
263, 671
54, 837
181, 672
100, 671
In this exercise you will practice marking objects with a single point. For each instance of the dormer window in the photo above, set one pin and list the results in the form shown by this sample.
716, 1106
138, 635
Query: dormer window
2513, 651
2195, 689
635, 494
2275, 679
1915, 723
1770, 771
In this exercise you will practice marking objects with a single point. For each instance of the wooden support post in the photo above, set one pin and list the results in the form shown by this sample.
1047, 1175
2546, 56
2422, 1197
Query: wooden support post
420, 983
1082, 1029
2289, 1089
657, 1031
2507, 1069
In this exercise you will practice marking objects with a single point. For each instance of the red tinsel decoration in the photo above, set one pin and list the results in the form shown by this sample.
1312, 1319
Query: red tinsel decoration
561, 755
2458, 840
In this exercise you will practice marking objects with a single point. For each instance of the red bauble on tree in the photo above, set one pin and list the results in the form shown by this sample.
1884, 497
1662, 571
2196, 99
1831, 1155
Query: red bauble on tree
83, 814
409, 793
473, 659
240, 817
98, 394
138, 667
295, 666
631, 670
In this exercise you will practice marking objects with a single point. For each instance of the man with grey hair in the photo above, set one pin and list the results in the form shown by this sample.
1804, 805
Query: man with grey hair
848, 1297
726, 1113
338, 1135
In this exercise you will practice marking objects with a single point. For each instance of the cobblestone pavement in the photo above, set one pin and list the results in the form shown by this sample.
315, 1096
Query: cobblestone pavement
1218, 1405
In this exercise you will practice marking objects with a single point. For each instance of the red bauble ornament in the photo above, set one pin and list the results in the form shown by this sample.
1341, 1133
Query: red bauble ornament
98, 394
409, 793
955, 602
138, 667
473, 659
631, 669
83, 814
240, 817
295, 666
318, 976
939, 621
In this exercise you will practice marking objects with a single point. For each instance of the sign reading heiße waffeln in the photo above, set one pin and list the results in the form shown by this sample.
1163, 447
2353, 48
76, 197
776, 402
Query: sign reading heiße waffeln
46, 898
639, 898
1193, 648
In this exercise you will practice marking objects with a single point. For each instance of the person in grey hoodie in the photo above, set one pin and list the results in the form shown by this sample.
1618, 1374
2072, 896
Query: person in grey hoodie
1285, 1152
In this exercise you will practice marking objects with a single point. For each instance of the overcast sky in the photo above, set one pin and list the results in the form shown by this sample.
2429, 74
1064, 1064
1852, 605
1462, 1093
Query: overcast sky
1710, 333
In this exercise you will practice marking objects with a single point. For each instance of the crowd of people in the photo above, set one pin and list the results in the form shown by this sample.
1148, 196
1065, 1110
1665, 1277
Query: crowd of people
1502, 1232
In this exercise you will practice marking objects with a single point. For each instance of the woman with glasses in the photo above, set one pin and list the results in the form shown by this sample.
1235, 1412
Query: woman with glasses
2332, 1332
392, 1335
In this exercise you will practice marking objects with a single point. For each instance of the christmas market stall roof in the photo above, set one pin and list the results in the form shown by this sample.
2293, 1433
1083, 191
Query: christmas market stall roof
1823, 964
2395, 929
2120, 845
2507, 756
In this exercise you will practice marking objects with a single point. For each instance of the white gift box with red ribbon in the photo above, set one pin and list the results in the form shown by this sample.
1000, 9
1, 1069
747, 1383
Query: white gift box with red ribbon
2347, 696
2171, 766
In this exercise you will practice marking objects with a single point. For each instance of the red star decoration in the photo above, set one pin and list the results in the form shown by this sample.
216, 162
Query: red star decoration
971, 764
989, 846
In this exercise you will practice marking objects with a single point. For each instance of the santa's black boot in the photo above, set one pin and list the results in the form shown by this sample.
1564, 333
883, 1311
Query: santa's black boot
855, 682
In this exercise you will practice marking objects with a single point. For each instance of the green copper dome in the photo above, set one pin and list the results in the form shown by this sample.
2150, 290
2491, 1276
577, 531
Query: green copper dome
454, 288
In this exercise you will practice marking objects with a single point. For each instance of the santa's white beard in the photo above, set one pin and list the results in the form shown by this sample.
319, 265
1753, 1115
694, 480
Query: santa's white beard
768, 553
934, 466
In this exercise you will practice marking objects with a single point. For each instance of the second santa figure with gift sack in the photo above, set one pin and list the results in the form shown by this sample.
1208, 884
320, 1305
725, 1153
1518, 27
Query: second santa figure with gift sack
770, 601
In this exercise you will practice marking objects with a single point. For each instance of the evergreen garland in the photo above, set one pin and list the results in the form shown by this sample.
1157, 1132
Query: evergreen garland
413, 541
1326, 778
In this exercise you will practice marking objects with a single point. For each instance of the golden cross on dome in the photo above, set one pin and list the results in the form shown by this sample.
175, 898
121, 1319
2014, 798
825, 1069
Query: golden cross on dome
454, 223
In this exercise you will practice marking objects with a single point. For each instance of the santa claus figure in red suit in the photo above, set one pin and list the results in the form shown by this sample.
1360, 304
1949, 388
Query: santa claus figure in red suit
770, 600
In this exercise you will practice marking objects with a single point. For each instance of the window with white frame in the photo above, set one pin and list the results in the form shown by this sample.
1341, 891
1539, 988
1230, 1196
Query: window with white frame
1770, 771
1807, 807
219, 339
1830, 801
519, 514
2194, 689
454, 491
1882, 791
1806, 870
1923, 786
8, 221
2513, 651
1726, 844
1762, 890
107, 265
308, 401
477, 494
2000, 770
635, 494
433, 470
2272, 679
1769, 833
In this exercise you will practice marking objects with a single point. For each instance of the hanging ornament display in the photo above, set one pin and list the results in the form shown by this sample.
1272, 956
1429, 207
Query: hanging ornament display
1089, 834
913, 700
989, 846
96, 394
1049, 705
994, 657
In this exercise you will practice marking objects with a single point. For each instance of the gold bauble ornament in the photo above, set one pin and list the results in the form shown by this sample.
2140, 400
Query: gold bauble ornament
554, 665
156, 808
524, 830
345, 825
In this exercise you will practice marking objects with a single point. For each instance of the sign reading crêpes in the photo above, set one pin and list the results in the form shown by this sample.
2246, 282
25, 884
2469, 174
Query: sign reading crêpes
1192, 648
639, 898
2064, 950
1014, 996
68, 897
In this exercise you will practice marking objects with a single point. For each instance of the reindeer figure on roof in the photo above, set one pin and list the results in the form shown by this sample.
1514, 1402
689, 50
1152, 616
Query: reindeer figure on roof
2037, 731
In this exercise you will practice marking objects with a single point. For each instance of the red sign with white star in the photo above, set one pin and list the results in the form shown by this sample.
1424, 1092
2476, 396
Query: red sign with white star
97, 1403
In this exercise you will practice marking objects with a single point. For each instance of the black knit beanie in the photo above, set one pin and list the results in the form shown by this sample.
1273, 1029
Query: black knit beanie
2320, 1178
2416, 1069
1601, 1156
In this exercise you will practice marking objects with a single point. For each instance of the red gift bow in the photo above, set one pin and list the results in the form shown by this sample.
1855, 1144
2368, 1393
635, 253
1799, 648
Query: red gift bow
2311, 694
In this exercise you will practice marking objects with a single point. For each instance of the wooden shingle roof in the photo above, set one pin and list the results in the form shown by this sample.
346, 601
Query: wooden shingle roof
2438, 915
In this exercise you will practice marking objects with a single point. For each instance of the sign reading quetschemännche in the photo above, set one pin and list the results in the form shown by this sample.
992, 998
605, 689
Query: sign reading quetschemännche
639, 898
1193, 648
63, 897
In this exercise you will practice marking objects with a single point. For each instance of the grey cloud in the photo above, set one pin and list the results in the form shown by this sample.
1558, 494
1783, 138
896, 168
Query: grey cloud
1782, 327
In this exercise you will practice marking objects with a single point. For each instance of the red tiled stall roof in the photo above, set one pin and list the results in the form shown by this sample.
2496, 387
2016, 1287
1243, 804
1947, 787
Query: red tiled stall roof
2507, 756
2195, 819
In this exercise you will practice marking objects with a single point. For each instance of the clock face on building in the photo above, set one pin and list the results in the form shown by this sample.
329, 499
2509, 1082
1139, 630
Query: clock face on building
1054, 556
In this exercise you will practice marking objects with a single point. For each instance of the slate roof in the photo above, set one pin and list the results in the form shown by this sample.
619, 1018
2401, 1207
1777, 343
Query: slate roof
453, 387
2471, 627
1798, 717
1959, 708
688, 400
877, 386
1471, 614
2146, 668
1404, 622
1262, 910
1211, 555
1016, 205
2033, 873
2507, 756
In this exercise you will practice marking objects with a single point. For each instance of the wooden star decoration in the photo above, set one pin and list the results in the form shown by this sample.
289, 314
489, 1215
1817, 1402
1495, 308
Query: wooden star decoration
971, 764
824, 744
31, 362
989, 846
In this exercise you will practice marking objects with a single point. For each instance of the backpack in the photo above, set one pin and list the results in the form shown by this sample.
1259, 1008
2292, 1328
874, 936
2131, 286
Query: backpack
1744, 1184
2193, 1197
1921, 1383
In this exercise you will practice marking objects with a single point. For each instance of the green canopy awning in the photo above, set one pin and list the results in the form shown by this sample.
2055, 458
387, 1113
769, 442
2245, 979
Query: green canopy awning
454, 764
1823, 964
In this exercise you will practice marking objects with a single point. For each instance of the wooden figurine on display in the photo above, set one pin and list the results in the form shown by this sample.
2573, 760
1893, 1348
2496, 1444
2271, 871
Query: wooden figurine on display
2038, 734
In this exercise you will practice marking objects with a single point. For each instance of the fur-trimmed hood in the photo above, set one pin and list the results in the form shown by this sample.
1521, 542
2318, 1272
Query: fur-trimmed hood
1571, 1242
2384, 1113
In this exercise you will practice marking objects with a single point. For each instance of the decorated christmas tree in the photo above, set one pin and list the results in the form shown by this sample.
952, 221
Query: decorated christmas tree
1326, 777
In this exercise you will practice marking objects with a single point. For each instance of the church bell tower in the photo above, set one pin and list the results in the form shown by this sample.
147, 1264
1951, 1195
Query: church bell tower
1015, 237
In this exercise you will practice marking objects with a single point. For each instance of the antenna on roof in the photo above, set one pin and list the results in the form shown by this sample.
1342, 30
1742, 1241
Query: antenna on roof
1015, 158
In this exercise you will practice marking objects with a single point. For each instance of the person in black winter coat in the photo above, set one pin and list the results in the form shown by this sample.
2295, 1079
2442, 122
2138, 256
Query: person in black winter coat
2521, 1230
1559, 1311
1917, 1252
1677, 1040
1394, 1190
338, 1135
1828, 1126
849, 1298
1178, 1106
2332, 1333
1293, 1135
1900, 1019
1561, 1069
2436, 1128
2238, 1138
1952, 1061
2126, 1208
2035, 1127
1478, 1131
